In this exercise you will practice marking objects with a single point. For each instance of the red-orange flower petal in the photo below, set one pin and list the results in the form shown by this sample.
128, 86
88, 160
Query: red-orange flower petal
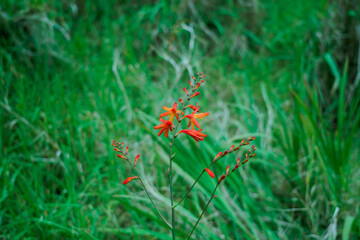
211, 174
227, 169
121, 156
192, 117
196, 109
127, 149
129, 179
218, 155
195, 134
165, 126
172, 112
194, 95
186, 91
191, 84
136, 159
225, 153
221, 179
231, 148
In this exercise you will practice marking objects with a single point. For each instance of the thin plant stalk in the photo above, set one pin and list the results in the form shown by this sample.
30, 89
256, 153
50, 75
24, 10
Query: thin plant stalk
189, 191
171, 177
197, 222
147, 193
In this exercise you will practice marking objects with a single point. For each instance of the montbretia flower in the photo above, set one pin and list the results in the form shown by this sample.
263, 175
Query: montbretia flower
192, 118
227, 169
211, 174
225, 153
129, 179
136, 159
221, 179
121, 156
195, 134
217, 156
195, 94
196, 109
172, 112
165, 126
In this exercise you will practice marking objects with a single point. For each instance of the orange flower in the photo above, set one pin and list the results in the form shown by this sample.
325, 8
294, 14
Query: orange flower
121, 156
192, 118
211, 174
194, 95
221, 179
225, 153
172, 112
218, 155
196, 109
197, 86
165, 126
129, 179
195, 134
136, 159
231, 148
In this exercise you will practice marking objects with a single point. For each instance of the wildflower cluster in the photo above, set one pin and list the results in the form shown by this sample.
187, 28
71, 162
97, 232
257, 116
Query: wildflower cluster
169, 122
167, 125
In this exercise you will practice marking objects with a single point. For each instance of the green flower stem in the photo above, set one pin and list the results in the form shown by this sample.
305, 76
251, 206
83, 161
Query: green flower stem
147, 193
189, 191
197, 222
171, 177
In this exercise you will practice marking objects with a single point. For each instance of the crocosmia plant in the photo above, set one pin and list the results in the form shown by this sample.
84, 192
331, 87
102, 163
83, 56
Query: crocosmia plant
170, 121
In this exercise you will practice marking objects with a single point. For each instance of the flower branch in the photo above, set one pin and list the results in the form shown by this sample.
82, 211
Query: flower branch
217, 158
118, 148
248, 155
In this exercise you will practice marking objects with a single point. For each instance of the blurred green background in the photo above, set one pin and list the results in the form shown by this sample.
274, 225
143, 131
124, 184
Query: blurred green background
76, 74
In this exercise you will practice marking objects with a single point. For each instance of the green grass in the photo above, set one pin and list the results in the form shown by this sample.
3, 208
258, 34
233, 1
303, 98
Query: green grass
76, 74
